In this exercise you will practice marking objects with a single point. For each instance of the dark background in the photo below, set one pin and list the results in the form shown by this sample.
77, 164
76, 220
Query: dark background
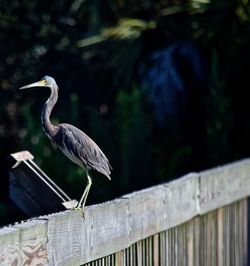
161, 86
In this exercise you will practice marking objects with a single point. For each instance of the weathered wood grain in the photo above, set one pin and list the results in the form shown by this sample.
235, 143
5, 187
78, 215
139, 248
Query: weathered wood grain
224, 185
160, 207
185, 215
9, 246
24, 244
105, 225
182, 200
65, 238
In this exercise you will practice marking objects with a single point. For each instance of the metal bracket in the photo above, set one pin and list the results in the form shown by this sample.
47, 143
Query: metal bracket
32, 190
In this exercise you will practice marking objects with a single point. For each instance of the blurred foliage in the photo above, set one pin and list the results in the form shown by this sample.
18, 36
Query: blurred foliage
133, 132
161, 86
218, 116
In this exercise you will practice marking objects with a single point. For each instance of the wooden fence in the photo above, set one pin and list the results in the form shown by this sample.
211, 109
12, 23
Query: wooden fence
199, 219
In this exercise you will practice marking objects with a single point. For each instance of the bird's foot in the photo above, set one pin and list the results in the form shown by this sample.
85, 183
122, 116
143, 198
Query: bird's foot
80, 209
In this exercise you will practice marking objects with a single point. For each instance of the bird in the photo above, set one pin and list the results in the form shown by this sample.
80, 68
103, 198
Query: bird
73, 142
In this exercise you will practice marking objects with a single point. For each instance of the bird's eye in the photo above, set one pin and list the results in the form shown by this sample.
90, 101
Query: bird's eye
45, 82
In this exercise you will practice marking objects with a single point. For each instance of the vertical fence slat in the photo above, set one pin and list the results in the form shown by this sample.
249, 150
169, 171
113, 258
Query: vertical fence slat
190, 244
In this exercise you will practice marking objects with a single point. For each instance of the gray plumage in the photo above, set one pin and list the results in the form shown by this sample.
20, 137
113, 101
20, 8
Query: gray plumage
73, 142
82, 149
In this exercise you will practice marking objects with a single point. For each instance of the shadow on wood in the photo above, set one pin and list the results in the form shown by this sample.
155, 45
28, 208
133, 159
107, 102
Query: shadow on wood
32, 190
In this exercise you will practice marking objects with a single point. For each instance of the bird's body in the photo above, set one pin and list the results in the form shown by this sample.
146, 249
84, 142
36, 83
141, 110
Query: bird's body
73, 142
81, 149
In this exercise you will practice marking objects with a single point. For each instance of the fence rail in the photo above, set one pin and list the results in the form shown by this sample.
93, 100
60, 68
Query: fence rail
216, 238
199, 219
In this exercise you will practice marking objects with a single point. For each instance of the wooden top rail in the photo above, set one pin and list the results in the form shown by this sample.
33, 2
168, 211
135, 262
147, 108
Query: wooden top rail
67, 239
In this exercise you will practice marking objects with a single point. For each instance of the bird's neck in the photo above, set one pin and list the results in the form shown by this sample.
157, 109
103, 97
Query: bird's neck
48, 128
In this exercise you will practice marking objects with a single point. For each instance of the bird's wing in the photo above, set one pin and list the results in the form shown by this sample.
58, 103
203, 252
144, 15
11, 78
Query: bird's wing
85, 149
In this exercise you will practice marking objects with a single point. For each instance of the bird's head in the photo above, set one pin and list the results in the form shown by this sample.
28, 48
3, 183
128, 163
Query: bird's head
46, 81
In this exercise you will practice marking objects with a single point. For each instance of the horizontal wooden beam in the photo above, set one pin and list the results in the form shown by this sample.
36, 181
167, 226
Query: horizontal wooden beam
67, 238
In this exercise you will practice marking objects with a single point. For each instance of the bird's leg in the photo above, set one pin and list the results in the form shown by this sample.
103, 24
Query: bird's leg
82, 201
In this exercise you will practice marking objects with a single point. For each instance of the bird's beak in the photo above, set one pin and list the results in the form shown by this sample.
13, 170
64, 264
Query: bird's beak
40, 83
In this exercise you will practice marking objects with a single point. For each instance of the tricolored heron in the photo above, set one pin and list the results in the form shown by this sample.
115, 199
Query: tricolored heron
74, 143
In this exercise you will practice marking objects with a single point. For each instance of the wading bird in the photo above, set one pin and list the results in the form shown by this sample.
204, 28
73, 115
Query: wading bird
74, 143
